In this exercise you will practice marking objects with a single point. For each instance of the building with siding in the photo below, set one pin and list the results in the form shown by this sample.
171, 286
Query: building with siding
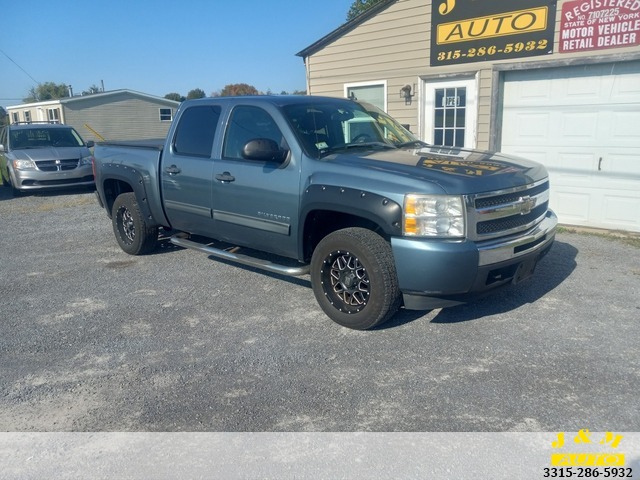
554, 81
114, 115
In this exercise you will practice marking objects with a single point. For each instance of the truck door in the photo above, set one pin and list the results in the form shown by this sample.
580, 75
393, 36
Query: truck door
256, 202
187, 171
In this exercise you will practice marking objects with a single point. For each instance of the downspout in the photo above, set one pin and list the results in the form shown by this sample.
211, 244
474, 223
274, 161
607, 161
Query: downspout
307, 69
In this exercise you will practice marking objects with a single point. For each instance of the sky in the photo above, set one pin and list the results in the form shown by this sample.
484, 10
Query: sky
157, 46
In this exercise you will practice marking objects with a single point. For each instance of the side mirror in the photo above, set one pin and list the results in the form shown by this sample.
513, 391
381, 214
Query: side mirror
91, 144
1, 148
263, 149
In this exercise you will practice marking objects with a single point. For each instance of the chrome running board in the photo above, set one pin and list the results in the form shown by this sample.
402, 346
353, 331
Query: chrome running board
181, 240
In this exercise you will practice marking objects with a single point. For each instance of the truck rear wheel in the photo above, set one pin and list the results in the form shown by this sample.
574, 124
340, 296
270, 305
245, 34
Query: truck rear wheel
354, 278
133, 234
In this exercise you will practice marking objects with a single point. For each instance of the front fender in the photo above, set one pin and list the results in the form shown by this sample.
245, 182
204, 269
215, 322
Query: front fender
377, 209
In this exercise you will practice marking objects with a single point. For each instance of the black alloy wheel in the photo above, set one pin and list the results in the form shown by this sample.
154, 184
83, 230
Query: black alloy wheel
354, 279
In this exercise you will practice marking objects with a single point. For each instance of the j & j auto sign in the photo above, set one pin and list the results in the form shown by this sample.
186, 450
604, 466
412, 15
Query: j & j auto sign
466, 31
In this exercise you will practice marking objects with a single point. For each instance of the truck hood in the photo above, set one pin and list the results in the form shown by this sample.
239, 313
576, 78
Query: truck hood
49, 153
455, 170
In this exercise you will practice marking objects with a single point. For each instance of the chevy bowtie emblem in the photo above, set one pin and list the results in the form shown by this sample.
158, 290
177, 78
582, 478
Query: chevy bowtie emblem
527, 204
58, 162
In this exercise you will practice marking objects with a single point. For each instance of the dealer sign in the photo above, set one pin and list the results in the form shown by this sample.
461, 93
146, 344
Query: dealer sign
464, 31
597, 24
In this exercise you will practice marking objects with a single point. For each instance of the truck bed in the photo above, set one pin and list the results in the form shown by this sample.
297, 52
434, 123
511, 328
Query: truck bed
151, 143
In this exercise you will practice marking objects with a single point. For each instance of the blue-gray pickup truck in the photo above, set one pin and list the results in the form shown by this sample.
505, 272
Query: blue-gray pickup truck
336, 189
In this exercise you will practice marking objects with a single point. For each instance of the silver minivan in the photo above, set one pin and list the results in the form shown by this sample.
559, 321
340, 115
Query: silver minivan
37, 156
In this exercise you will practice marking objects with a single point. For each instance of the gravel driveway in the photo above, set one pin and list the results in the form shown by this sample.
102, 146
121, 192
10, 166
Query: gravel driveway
96, 340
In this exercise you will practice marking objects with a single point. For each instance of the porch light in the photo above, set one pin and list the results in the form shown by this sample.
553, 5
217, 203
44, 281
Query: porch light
405, 92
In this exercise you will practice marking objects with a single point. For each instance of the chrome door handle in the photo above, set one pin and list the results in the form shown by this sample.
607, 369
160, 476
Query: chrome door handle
225, 177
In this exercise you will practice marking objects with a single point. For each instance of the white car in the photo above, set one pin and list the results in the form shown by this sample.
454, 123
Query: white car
36, 156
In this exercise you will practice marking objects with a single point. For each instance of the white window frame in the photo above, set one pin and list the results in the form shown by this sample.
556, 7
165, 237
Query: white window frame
471, 112
15, 117
161, 115
55, 113
372, 83
27, 116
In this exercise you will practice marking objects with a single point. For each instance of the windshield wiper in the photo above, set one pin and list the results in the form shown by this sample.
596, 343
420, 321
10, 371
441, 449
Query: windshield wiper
413, 143
369, 144
349, 146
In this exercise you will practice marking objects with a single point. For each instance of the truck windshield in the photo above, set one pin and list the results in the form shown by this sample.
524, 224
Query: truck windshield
327, 127
25, 138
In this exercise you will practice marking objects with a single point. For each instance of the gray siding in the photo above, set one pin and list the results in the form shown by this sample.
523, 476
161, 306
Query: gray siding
123, 118
118, 115
393, 46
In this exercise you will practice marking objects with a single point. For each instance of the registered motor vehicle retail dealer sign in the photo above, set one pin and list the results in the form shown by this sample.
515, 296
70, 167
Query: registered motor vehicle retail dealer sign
599, 24
465, 31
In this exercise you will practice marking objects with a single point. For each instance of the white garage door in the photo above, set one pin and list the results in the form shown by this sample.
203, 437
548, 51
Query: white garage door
583, 124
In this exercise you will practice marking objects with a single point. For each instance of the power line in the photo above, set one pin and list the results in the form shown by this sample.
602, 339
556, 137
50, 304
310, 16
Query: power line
16, 64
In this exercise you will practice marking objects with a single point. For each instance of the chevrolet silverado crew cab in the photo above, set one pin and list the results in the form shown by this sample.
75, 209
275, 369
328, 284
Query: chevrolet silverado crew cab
37, 156
336, 189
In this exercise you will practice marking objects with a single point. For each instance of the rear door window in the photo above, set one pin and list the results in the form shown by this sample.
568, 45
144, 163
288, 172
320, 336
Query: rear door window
196, 131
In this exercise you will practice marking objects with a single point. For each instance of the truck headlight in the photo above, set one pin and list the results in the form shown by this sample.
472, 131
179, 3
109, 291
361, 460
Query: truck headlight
433, 216
24, 164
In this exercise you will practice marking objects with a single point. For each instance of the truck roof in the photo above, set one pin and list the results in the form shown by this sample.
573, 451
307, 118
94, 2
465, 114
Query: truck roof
278, 100
31, 125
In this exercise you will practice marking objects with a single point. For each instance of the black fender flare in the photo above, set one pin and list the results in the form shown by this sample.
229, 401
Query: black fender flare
380, 210
131, 177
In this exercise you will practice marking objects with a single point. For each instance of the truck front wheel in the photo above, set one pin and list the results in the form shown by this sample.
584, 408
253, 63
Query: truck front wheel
354, 278
133, 234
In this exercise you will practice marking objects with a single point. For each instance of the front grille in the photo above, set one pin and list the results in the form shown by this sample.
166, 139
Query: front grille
511, 222
57, 165
507, 212
510, 197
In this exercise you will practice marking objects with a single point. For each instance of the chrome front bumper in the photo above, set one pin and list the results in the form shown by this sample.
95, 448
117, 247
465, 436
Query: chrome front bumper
523, 244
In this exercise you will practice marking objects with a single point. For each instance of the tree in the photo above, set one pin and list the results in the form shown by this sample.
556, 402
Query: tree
4, 117
92, 89
360, 6
295, 92
196, 93
176, 97
47, 91
236, 89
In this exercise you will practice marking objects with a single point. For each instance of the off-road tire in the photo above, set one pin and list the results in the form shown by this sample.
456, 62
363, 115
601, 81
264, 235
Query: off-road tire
133, 234
354, 278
